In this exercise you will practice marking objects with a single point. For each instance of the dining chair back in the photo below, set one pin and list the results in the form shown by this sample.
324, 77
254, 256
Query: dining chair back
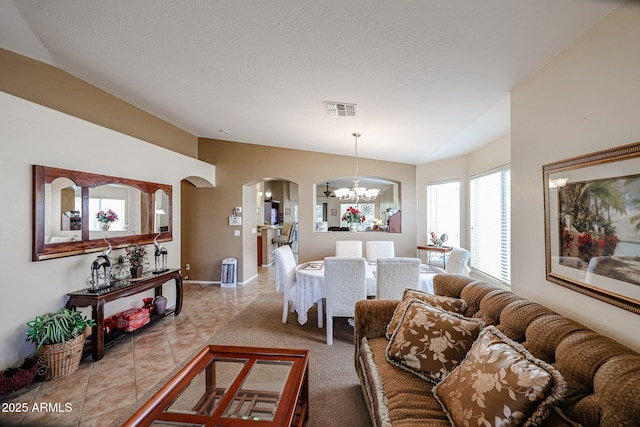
394, 275
457, 262
286, 278
345, 284
349, 248
375, 249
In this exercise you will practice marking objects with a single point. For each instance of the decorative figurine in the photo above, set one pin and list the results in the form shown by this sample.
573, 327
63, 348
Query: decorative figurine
160, 257
101, 261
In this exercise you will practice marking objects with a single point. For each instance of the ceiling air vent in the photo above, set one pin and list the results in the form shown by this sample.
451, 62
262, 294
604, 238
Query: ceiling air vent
340, 109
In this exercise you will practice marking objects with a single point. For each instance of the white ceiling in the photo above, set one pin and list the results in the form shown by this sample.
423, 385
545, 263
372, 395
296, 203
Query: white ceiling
431, 78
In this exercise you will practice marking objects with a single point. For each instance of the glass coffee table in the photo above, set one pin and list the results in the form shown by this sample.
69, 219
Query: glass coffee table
233, 386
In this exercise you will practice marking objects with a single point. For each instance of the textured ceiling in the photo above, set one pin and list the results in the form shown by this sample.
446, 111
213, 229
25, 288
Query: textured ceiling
431, 78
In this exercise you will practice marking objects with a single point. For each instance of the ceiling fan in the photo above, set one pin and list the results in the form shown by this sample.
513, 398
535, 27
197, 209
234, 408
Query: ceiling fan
328, 193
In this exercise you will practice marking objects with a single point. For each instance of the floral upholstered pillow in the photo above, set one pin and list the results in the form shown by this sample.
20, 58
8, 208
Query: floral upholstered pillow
500, 383
431, 342
450, 304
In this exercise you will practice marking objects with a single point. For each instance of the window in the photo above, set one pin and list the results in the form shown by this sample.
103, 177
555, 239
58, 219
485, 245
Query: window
321, 212
443, 211
116, 205
490, 222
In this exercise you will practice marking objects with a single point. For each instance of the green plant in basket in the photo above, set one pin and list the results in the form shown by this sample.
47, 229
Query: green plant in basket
57, 328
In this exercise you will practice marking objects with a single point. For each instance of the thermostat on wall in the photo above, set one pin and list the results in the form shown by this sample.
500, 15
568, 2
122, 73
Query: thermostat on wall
235, 221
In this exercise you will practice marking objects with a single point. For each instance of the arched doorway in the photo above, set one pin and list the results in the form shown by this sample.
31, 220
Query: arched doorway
267, 205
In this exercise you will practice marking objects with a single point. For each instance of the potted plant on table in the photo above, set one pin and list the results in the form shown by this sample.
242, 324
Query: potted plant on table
353, 217
135, 256
59, 339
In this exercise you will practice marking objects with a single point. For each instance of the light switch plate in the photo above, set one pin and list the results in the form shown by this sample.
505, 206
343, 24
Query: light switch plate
236, 233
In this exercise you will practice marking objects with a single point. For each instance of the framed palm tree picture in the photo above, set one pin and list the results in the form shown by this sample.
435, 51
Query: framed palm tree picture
592, 224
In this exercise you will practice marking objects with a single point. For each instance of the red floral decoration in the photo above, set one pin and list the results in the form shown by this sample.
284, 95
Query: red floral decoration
353, 215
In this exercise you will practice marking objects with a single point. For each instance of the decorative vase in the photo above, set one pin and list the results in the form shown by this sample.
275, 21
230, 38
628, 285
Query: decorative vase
161, 304
353, 227
149, 304
136, 272
104, 226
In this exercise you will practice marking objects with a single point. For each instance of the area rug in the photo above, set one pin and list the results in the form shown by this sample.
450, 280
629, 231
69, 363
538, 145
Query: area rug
335, 397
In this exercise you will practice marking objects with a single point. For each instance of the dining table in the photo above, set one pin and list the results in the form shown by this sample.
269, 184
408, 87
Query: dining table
310, 284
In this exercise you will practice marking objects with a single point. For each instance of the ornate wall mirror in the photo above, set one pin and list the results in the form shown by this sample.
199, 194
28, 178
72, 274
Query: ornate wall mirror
73, 212
381, 210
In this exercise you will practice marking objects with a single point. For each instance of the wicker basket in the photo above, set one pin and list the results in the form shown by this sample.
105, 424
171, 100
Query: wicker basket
62, 359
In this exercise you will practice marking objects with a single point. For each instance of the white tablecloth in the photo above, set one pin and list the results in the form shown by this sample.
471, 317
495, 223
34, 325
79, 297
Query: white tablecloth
310, 285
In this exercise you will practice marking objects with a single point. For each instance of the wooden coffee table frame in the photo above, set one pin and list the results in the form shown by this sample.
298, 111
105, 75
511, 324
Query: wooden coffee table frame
292, 408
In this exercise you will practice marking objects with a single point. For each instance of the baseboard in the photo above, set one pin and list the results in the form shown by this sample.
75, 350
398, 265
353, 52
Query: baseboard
218, 282
204, 282
248, 280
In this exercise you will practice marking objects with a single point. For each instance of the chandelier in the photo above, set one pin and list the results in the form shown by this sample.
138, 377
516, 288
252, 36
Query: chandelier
327, 192
357, 193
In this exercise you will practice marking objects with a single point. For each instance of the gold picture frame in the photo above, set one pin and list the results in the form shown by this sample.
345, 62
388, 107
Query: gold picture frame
592, 224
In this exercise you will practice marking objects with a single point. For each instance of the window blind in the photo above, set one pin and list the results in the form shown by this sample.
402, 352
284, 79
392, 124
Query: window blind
490, 223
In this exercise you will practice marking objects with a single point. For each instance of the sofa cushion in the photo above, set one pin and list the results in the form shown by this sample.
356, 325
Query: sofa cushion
431, 342
450, 304
500, 382
396, 397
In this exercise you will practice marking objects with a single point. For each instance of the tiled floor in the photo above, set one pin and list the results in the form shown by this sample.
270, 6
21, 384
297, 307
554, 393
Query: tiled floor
98, 392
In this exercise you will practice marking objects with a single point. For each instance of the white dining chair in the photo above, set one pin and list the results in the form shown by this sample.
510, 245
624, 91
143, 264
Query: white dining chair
375, 249
349, 248
345, 284
394, 275
286, 278
457, 262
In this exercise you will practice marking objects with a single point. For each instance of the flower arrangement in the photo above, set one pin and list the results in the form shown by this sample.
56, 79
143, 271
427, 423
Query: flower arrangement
135, 255
107, 217
353, 215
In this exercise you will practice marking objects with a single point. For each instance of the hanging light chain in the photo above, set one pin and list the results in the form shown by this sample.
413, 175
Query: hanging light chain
356, 135
355, 193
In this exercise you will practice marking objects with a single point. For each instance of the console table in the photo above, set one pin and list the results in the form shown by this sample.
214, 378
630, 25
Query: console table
439, 249
123, 288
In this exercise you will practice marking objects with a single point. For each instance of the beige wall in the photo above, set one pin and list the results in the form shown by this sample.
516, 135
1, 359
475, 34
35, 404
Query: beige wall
32, 134
586, 99
46, 85
461, 168
239, 165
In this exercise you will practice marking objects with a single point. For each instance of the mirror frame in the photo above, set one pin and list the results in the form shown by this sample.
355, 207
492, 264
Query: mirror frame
45, 175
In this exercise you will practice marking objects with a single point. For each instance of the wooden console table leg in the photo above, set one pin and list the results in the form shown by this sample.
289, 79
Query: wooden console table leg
97, 339
178, 294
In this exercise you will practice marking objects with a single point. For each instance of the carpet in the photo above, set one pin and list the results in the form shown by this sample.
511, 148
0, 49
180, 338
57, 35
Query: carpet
335, 397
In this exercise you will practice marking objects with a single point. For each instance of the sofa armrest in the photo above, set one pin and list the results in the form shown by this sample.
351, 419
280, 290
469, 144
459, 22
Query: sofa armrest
371, 319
